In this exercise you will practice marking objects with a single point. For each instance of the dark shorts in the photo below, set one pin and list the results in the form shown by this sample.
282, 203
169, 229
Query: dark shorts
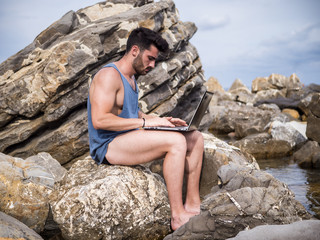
105, 161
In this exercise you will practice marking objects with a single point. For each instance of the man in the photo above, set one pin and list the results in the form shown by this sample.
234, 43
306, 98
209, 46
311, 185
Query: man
115, 122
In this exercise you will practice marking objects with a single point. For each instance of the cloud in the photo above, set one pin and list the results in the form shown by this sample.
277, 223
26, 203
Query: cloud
207, 23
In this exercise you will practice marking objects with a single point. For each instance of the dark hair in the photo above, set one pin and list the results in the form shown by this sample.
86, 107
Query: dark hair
144, 38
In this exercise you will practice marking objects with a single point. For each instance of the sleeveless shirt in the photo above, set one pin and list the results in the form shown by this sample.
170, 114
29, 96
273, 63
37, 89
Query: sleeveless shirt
99, 139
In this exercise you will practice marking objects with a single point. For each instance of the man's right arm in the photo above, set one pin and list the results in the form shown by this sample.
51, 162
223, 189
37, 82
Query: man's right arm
103, 96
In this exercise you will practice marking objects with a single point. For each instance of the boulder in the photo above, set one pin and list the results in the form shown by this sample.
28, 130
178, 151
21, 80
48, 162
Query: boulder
26, 186
111, 202
44, 87
243, 119
307, 230
11, 228
213, 85
248, 198
313, 119
308, 156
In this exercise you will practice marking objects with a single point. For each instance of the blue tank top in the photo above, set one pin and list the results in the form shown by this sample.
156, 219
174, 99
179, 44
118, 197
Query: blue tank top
100, 139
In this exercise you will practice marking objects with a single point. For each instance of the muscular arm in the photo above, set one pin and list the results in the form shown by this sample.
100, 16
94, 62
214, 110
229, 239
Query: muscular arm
105, 98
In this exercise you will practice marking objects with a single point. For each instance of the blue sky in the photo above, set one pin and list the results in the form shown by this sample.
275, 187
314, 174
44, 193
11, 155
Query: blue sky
241, 39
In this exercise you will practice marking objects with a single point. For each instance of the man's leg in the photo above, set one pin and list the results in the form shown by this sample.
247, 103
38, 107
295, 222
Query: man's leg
142, 146
195, 147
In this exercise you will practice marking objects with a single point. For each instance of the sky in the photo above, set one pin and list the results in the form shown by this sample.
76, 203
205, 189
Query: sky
236, 39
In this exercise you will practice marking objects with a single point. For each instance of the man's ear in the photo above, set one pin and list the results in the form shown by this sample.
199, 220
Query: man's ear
135, 50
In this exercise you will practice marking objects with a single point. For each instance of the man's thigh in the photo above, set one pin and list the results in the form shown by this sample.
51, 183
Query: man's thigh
140, 146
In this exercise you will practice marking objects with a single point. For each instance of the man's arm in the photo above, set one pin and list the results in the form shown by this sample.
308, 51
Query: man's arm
104, 97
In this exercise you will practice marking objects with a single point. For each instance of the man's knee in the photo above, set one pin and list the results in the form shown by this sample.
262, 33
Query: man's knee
177, 140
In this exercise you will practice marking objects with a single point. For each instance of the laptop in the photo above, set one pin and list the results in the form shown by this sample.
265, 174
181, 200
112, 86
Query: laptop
196, 118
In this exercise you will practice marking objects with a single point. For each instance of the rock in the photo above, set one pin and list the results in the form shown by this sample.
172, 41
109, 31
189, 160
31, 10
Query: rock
276, 81
216, 154
242, 119
280, 141
213, 85
240, 92
291, 112
111, 202
11, 228
44, 87
26, 186
308, 156
308, 230
313, 119
248, 198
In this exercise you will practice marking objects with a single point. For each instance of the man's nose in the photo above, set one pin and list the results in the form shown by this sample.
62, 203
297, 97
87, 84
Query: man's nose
152, 64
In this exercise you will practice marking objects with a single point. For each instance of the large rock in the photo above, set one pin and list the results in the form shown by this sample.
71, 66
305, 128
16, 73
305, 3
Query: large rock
248, 198
44, 87
308, 156
111, 202
281, 140
307, 230
313, 120
11, 228
25, 186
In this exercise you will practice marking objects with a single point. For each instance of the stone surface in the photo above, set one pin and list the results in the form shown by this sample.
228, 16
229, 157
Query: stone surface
44, 86
308, 156
307, 230
25, 186
11, 228
313, 118
248, 198
111, 202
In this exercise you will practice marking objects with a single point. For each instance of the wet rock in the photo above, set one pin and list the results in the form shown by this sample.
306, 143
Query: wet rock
111, 202
248, 198
308, 156
11, 228
26, 186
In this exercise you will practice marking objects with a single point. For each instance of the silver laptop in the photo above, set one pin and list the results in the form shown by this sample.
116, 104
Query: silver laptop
196, 118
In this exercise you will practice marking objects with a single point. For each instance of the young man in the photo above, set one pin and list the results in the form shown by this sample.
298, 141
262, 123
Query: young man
115, 121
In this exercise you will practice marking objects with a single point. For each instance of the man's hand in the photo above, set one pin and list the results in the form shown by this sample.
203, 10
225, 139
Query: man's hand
176, 121
164, 122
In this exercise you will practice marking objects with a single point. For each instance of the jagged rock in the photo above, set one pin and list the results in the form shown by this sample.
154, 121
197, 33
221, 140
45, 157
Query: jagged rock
26, 186
213, 85
216, 154
111, 202
44, 87
248, 198
276, 81
11, 228
313, 119
240, 92
308, 155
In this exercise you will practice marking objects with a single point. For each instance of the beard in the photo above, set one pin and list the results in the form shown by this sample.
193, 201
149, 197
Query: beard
138, 66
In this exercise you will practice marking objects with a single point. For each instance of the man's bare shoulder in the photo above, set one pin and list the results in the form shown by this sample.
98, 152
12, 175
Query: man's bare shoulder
107, 75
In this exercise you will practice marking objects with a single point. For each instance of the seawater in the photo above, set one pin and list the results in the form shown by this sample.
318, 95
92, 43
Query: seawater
305, 183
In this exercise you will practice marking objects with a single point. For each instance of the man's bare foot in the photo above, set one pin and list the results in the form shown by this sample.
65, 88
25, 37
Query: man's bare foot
180, 220
192, 209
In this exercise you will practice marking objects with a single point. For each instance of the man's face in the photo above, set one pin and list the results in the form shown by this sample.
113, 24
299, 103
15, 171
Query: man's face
145, 61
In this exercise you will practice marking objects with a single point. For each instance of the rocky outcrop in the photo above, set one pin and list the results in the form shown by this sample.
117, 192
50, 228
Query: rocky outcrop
248, 198
26, 186
44, 87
